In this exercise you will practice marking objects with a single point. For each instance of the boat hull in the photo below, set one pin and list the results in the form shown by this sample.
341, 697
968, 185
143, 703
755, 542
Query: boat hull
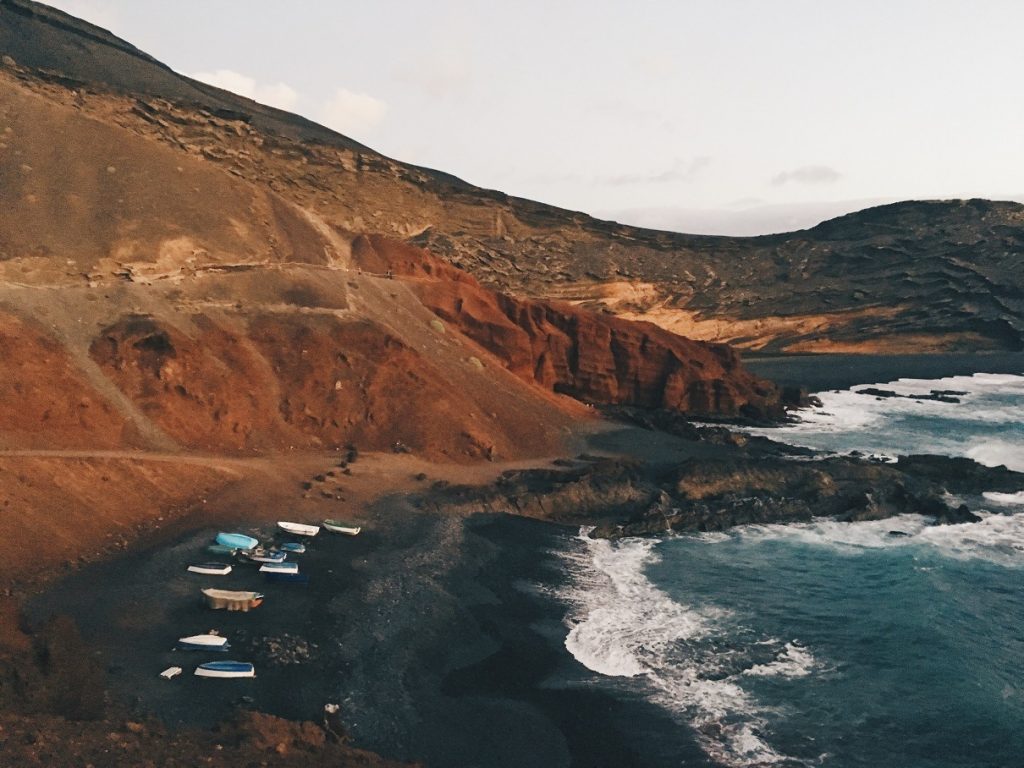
237, 540
279, 568
226, 669
210, 569
221, 599
299, 529
347, 530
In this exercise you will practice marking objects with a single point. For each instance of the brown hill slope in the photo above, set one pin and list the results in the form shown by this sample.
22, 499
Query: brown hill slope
914, 276
157, 296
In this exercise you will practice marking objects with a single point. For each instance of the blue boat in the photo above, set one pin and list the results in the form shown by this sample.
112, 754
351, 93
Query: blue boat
287, 578
279, 568
226, 669
220, 549
236, 540
261, 555
292, 547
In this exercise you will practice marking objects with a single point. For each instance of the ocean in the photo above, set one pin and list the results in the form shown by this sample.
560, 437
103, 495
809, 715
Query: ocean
889, 644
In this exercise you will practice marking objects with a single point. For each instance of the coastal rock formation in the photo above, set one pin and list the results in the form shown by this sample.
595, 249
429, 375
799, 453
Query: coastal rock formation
756, 484
596, 358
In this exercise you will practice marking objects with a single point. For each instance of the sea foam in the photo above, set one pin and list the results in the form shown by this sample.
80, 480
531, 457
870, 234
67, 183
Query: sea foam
623, 626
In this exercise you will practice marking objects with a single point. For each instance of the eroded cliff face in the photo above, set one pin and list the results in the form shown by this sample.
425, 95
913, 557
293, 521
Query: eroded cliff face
595, 358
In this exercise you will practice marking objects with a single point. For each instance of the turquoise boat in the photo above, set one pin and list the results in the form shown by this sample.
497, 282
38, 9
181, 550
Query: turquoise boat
236, 540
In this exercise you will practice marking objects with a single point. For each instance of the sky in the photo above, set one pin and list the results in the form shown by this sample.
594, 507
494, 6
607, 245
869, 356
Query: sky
711, 116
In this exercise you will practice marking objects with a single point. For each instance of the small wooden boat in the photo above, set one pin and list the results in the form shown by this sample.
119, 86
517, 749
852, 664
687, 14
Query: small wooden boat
337, 526
292, 547
170, 672
208, 642
298, 529
226, 669
232, 600
279, 568
211, 569
261, 555
220, 549
287, 578
236, 540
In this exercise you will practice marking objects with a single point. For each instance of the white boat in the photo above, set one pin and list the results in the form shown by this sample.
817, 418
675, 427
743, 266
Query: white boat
208, 642
232, 600
170, 672
211, 569
299, 529
279, 568
336, 526
226, 669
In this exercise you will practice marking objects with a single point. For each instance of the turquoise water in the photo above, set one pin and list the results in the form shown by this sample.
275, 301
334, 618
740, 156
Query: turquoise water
826, 643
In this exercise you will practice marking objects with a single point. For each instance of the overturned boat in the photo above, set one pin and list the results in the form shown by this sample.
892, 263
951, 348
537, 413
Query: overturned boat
298, 529
208, 642
211, 569
226, 669
236, 540
232, 600
338, 526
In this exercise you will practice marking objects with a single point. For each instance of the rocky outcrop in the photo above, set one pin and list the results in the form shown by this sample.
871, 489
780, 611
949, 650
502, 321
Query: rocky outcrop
596, 358
740, 487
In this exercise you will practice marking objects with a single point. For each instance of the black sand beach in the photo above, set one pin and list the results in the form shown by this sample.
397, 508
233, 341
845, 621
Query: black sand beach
430, 632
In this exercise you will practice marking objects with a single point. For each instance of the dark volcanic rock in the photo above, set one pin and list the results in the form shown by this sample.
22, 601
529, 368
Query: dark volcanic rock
714, 493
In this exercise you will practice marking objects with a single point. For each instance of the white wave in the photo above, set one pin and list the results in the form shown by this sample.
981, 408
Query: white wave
1005, 498
793, 661
993, 453
997, 538
624, 626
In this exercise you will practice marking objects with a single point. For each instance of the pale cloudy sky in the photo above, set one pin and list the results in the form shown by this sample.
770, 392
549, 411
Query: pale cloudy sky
718, 116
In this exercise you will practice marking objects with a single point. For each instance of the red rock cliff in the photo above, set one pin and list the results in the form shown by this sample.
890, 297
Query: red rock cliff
595, 358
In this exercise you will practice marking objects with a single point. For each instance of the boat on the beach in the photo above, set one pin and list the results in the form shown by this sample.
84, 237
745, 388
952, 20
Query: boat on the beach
279, 568
211, 569
226, 669
236, 540
338, 526
170, 672
232, 600
208, 642
261, 555
292, 547
220, 549
298, 529
287, 578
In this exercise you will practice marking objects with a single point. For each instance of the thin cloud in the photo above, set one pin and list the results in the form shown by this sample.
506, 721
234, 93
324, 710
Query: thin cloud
681, 170
808, 174
441, 74
277, 95
352, 113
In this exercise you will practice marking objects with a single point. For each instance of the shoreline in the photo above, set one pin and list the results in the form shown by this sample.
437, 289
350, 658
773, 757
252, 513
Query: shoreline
438, 634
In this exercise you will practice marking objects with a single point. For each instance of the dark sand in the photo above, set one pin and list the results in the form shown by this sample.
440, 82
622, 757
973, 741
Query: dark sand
821, 372
430, 632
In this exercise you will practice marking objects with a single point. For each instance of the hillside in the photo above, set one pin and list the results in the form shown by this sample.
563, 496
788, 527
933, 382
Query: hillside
915, 276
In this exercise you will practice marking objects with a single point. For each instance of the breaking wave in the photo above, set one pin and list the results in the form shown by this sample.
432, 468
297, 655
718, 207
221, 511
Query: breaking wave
686, 658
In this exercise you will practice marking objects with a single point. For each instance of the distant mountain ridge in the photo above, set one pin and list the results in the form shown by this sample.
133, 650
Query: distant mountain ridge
906, 277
